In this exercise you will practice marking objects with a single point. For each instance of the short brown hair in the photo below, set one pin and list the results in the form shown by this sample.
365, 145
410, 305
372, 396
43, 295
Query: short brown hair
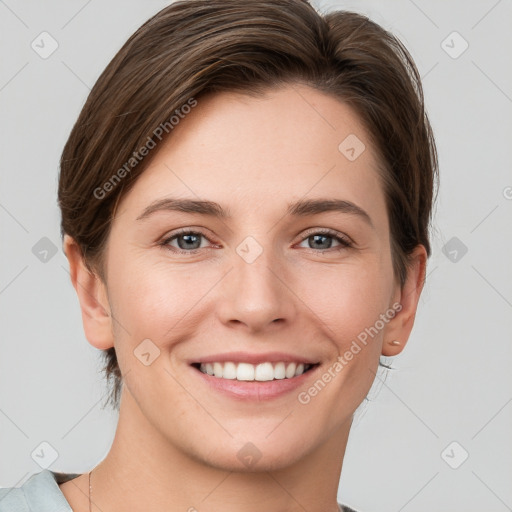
193, 47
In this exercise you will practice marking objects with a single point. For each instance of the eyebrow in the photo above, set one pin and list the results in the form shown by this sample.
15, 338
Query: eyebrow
301, 208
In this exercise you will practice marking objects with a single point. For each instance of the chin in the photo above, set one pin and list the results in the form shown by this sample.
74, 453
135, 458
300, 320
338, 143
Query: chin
253, 456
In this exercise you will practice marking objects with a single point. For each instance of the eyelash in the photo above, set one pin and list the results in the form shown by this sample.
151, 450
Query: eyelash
342, 239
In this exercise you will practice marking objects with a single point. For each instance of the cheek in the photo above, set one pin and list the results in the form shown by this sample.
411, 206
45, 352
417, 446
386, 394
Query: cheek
152, 300
149, 295
348, 298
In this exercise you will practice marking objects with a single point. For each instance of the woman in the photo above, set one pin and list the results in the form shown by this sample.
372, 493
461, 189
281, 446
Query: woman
246, 197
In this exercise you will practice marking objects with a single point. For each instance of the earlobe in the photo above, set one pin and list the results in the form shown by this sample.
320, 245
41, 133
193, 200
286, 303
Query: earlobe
400, 327
92, 296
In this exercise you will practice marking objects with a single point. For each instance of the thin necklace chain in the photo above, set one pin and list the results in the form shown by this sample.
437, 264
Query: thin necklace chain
90, 490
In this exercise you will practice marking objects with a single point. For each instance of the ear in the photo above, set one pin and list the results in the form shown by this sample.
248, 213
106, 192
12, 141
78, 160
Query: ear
93, 298
400, 326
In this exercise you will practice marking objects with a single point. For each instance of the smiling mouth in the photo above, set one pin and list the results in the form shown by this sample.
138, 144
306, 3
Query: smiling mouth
247, 372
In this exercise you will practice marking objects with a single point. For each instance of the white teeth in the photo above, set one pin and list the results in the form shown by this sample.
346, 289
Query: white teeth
279, 371
217, 369
290, 370
264, 371
245, 371
249, 372
229, 371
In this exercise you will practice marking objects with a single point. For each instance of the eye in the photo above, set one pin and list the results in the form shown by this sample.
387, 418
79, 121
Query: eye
322, 239
188, 242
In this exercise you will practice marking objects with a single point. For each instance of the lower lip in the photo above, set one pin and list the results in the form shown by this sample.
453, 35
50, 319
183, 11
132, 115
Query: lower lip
255, 390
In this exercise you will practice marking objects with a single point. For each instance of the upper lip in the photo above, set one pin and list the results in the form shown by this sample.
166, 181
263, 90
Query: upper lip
245, 357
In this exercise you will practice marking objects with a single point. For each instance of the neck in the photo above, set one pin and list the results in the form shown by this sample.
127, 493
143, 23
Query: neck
143, 471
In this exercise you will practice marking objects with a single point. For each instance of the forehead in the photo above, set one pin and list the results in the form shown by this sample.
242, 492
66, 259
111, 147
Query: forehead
257, 153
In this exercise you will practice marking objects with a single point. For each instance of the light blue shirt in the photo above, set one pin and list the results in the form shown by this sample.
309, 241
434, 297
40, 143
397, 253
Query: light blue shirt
41, 493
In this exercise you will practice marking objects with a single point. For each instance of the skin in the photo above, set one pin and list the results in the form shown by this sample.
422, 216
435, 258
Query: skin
177, 440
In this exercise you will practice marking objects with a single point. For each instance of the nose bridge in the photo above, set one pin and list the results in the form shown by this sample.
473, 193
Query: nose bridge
253, 294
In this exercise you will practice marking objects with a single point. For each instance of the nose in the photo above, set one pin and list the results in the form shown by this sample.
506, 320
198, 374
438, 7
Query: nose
256, 294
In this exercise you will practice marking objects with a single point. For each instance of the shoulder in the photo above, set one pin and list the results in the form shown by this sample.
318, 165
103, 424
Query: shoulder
344, 508
39, 493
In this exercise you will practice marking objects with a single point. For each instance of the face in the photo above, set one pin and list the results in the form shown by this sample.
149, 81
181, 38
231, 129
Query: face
270, 283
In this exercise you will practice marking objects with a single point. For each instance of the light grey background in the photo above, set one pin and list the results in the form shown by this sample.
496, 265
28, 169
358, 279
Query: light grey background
453, 381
